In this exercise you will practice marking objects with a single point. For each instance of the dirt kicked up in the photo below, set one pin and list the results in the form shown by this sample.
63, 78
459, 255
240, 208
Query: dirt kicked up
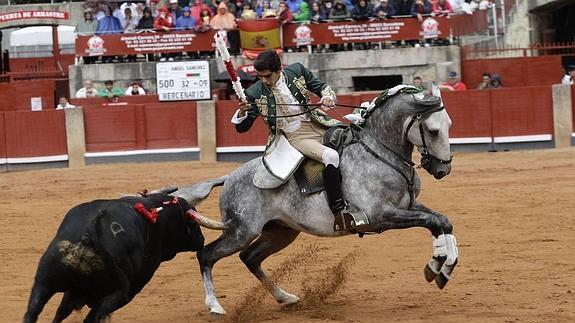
513, 214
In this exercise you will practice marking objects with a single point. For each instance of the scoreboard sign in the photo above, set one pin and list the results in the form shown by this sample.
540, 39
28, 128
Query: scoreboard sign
183, 81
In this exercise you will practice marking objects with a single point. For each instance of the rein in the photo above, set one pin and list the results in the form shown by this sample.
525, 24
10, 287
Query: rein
304, 105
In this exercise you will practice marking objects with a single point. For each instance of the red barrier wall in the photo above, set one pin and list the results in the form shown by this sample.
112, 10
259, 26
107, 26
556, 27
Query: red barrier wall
16, 95
526, 111
33, 134
138, 127
41, 64
226, 135
514, 72
2, 136
573, 105
470, 112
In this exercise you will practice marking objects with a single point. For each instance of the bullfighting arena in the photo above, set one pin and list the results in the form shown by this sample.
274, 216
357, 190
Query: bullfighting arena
513, 213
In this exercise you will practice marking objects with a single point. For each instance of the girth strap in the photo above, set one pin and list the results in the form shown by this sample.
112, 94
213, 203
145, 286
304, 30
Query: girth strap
408, 180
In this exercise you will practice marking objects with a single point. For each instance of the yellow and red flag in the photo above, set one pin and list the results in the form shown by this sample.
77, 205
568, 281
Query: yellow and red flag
258, 35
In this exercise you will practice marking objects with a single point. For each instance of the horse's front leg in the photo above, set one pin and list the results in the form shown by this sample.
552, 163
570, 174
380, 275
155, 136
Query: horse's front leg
444, 244
445, 252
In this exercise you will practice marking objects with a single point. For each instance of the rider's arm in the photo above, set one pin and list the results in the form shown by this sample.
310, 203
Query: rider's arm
316, 86
244, 122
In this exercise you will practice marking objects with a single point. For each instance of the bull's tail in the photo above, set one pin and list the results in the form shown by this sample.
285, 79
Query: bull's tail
195, 194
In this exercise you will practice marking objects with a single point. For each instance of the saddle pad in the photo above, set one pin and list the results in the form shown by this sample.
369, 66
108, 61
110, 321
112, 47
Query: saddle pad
264, 180
309, 177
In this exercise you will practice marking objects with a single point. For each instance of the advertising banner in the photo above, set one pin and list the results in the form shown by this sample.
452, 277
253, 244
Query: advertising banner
145, 43
361, 32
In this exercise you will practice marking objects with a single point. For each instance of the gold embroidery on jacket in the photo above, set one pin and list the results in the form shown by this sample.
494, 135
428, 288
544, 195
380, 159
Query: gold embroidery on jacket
262, 104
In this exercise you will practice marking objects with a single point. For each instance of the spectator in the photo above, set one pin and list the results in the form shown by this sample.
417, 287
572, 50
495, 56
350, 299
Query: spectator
496, 81
129, 22
268, 10
197, 8
420, 8
442, 7
317, 14
116, 12
402, 7
303, 14
64, 104
293, 6
569, 76
284, 14
418, 82
109, 24
147, 21
88, 91
139, 12
163, 21
175, 10
239, 9
485, 82
248, 13
130, 5
205, 18
223, 19
362, 11
327, 6
109, 91
186, 21
384, 10
339, 11
484, 5
231, 6
454, 84
88, 26
135, 89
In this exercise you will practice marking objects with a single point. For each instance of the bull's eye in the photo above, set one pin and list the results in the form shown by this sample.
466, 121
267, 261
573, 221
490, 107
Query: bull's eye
434, 132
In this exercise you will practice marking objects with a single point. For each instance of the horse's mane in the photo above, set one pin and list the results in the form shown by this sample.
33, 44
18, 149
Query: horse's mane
416, 102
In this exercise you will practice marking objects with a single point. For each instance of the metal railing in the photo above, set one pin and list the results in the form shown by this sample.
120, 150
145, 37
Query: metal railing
561, 49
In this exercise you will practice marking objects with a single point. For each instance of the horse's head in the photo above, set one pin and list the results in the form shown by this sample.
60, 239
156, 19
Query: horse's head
428, 130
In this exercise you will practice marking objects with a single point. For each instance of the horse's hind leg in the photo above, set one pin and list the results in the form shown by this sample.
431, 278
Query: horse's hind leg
230, 242
274, 238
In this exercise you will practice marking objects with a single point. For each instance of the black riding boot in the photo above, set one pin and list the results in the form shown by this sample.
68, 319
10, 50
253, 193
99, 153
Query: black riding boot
332, 182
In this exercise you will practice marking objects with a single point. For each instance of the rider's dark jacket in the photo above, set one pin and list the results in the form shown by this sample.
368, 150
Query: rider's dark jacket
300, 82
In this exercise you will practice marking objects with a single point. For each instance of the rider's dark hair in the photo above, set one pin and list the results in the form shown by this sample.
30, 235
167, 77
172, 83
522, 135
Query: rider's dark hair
268, 60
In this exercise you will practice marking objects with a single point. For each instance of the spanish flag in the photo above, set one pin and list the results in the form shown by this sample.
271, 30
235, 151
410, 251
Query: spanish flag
260, 34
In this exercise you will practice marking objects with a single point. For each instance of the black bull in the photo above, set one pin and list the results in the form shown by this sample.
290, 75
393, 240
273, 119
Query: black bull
105, 252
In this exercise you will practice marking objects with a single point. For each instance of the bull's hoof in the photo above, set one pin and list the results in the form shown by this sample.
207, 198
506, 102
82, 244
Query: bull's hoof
441, 280
430, 273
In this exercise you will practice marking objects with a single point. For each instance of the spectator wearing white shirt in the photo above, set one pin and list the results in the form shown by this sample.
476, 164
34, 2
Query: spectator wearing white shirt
64, 104
88, 91
569, 77
135, 89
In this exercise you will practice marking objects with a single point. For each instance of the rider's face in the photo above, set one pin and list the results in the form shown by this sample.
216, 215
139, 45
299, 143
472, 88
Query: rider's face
268, 77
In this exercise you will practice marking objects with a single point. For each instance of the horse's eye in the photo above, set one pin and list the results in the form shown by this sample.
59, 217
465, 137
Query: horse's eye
434, 132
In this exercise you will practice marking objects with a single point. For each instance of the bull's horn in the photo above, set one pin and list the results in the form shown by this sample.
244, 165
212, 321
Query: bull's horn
205, 222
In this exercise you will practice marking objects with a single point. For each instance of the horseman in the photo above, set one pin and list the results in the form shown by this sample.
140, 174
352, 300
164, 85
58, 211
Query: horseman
281, 96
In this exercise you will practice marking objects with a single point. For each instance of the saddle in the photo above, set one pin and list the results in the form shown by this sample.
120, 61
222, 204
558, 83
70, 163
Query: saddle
309, 173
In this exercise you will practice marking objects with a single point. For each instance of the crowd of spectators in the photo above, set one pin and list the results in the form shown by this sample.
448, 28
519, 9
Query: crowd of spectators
110, 90
105, 18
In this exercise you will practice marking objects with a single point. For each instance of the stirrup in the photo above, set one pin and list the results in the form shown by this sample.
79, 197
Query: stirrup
350, 219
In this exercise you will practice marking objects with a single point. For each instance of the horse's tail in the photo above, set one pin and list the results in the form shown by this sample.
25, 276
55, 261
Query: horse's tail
195, 194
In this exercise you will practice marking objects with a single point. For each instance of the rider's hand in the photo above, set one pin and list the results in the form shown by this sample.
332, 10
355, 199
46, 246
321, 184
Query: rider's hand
244, 107
327, 102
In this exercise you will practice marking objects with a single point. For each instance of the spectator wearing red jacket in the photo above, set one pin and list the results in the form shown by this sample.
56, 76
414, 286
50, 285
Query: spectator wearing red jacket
442, 7
163, 21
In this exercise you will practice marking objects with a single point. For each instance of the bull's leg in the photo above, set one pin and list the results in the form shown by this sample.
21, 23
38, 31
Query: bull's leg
111, 302
70, 302
231, 241
444, 244
273, 239
38, 298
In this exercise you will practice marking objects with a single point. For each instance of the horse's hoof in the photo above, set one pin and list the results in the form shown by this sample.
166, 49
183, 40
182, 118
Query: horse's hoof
430, 274
217, 310
289, 299
441, 280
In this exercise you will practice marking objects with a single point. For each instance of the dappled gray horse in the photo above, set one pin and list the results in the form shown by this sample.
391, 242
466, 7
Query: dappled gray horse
378, 177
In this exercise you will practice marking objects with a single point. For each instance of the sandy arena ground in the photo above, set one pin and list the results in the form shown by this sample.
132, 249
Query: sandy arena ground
513, 214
